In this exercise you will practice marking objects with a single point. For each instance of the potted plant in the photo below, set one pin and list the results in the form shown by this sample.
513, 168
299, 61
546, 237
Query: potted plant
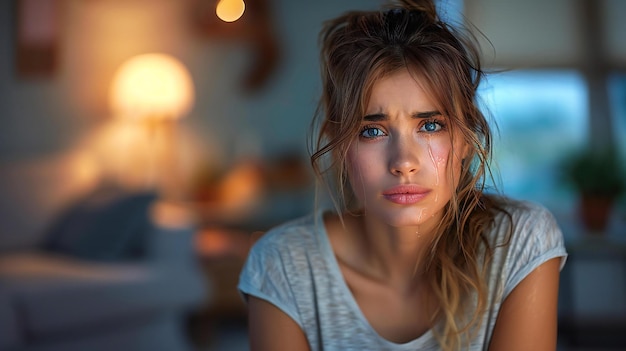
598, 177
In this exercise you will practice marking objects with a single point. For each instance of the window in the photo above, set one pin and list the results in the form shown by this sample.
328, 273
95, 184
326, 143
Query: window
617, 99
541, 117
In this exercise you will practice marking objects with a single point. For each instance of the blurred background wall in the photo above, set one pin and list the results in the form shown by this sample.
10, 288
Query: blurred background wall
568, 60
93, 38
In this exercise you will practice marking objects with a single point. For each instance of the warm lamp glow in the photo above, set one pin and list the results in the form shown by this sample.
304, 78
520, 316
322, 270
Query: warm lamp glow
152, 86
230, 10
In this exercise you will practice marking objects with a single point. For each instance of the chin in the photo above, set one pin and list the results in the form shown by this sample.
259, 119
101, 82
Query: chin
405, 217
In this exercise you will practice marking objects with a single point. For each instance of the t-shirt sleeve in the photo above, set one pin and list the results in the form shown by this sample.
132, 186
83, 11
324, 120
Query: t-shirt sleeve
265, 276
536, 239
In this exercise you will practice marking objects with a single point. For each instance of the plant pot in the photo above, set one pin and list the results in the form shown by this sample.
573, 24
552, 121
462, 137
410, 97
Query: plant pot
595, 212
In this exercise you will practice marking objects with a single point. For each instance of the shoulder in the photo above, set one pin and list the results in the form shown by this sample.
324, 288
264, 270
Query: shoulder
522, 210
525, 234
291, 235
526, 220
280, 266
286, 249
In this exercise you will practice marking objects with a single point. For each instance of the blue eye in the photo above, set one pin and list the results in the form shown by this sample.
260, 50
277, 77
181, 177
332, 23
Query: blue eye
431, 126
372, 132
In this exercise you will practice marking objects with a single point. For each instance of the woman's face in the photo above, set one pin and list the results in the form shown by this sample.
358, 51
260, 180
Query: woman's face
398, 163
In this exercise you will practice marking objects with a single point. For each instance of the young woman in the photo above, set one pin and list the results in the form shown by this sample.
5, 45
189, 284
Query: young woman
416, 256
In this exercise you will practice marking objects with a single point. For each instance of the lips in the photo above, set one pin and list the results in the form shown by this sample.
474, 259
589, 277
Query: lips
405, 194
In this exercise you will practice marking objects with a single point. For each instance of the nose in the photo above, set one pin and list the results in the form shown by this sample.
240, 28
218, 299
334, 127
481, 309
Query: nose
403, 160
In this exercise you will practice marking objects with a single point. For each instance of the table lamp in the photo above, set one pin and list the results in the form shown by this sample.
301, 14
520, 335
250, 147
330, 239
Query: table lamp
150, 92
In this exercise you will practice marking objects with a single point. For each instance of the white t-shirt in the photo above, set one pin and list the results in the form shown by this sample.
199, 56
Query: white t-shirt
293, 267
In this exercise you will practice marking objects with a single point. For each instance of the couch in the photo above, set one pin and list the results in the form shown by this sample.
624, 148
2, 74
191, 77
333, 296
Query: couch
69, 281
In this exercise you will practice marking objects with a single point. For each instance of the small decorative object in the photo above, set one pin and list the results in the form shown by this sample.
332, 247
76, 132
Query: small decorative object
251, 23
36, 38
230, 10
598, 177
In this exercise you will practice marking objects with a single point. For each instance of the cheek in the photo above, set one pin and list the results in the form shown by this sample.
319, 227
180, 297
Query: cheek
356, 167
446, 165
361, 171
438, 153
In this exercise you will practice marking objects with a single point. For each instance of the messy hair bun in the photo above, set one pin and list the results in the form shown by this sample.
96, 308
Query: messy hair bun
425, 8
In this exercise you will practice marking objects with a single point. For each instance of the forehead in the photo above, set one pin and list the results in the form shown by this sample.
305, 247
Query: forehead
400, 90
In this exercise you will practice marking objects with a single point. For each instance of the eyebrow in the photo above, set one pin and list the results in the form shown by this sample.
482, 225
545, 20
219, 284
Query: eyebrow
377, 117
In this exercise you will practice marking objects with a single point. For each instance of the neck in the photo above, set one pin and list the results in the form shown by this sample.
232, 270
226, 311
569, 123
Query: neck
394, 254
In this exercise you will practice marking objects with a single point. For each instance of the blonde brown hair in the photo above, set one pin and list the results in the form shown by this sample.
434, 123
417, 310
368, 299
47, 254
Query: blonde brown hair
357, 49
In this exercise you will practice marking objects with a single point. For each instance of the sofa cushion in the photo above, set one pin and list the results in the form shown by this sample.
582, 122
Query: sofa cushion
107, 225
57, 294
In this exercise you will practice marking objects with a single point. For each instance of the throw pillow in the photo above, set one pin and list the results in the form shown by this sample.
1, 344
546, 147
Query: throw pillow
107, 225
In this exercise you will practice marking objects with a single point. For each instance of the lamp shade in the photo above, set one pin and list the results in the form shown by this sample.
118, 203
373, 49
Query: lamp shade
152, 86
